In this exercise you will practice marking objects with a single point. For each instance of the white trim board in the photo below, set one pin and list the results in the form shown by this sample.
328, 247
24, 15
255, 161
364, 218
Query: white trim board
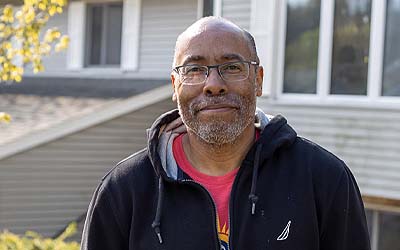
131, 35
114, 110
76, 31
217, 7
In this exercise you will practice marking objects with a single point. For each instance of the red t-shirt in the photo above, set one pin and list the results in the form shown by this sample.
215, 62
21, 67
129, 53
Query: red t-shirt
219, 188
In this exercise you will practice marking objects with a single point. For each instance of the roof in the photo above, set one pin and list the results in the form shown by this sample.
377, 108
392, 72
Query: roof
33, 113
48, 106
85, 87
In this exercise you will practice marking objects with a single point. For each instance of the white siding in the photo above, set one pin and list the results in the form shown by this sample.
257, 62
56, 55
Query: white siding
366, 139
238, 11
44, 188
162, 22
57, 61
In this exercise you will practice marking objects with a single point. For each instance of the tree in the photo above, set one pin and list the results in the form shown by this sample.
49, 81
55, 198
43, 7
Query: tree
23, 40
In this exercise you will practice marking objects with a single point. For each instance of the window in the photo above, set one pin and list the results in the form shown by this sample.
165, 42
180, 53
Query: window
351, 47
208, 8
384, 230
391, 65
301, 57
103, 36
339, 49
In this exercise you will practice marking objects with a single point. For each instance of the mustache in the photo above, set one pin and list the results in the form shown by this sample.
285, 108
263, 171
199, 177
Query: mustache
231, 100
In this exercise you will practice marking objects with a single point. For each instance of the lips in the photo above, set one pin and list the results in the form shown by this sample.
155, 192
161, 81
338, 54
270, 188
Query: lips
218, 107
215, 104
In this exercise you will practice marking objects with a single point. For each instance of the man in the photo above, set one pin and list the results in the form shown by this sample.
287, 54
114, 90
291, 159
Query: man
220, 174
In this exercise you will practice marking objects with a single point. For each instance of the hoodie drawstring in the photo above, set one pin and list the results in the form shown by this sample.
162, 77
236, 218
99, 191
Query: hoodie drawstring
157, 220
252, 196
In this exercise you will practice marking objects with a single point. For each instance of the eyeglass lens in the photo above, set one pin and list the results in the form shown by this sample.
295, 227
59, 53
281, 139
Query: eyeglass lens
196, 74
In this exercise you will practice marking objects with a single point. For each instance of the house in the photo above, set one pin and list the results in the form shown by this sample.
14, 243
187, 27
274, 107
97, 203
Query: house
332, 67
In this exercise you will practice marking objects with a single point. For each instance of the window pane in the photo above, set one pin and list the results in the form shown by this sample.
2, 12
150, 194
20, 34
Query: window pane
389, 231
96, 19
301, 52
114, 33
208, 6
351, 47
391, 72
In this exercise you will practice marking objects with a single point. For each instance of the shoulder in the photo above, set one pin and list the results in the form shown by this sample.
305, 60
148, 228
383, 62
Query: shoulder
329, 175
129, 174
318, 159
316, 167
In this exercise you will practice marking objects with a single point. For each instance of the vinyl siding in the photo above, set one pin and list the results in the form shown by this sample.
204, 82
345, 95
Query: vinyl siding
162, 22
366, 139
57, 61
44, 188
238, 11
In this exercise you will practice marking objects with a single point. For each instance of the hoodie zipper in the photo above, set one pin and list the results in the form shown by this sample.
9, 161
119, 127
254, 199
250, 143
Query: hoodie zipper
230, 225
214, 206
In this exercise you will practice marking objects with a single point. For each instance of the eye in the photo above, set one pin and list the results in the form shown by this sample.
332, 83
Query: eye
193, 69
232, 68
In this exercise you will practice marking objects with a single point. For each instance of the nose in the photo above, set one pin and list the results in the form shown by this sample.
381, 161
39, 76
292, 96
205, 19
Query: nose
214, 84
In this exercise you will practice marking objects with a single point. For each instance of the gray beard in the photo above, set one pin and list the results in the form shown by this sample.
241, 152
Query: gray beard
218, 131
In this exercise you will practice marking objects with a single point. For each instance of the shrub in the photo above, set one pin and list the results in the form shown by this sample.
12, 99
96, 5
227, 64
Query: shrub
34, 241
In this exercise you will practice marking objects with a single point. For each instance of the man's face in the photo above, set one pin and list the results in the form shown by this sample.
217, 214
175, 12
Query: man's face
217, 111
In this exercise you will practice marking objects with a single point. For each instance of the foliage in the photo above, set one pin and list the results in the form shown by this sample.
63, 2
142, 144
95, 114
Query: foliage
34, 241
22, 40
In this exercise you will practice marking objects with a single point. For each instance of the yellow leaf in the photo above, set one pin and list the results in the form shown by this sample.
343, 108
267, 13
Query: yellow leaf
61, 2
42, 6
52, 10
4, 117
4, 77
30, 15
20, 70
8, 14
18, 78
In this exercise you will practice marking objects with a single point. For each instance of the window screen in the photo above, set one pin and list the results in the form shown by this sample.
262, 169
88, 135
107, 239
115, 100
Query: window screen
351, 47
301, 50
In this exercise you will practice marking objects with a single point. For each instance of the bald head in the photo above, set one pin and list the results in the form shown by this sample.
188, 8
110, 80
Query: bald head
214, 24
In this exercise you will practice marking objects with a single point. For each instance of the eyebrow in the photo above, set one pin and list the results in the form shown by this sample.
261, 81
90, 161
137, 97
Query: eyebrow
233, 57
196, 58
192, 58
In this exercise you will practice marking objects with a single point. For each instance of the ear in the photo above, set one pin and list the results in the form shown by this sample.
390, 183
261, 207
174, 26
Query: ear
173, 82
259, 80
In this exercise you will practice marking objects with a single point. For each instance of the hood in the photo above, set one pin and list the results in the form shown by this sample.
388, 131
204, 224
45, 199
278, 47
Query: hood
275, 133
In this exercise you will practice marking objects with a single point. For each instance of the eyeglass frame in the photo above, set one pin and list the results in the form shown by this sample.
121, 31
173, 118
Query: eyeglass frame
216, 66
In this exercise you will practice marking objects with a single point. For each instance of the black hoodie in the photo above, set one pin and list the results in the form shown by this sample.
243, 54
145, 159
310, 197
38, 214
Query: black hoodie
289, 193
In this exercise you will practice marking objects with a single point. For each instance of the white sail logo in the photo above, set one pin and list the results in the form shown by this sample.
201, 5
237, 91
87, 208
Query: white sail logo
285, 233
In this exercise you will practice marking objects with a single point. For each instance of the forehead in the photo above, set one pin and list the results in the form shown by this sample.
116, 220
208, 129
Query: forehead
212, 45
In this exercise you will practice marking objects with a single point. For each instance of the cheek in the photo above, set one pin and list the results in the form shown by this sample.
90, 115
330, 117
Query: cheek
247, 90
185, 94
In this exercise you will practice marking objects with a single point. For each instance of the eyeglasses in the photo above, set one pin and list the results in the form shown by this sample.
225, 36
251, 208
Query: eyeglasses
230, 72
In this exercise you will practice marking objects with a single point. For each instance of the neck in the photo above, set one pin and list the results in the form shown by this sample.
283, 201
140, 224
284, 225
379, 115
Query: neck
217, 160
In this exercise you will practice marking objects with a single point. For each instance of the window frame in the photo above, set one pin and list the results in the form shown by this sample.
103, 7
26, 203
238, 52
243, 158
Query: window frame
324, 66
375, 225
103, 43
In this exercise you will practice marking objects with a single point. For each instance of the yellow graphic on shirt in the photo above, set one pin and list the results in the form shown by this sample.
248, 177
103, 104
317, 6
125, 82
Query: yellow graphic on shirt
223, 234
